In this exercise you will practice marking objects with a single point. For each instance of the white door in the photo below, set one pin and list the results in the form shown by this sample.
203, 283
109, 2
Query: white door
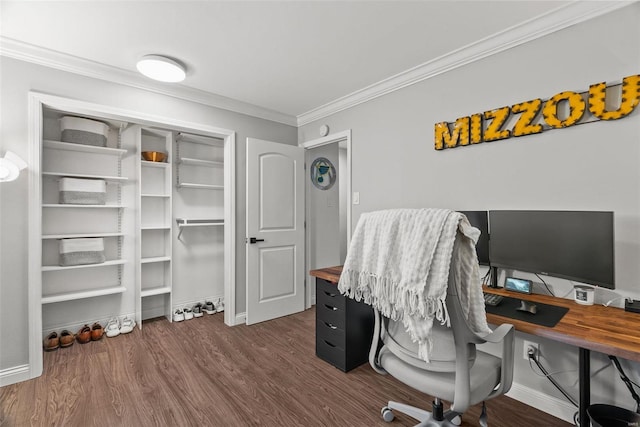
275, 230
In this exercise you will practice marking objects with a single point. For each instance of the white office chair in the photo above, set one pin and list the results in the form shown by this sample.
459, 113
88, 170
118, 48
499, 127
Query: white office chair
457, 372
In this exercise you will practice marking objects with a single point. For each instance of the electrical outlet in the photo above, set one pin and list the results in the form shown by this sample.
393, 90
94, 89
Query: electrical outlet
527, 345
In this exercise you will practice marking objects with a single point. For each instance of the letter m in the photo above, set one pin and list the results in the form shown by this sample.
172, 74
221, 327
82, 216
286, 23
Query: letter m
445, 138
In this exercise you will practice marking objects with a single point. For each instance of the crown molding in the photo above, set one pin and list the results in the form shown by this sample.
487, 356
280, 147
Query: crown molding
542, 25
49, 58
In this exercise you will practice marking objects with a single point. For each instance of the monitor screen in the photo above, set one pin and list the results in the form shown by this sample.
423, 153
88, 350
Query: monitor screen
479, 219
567, 244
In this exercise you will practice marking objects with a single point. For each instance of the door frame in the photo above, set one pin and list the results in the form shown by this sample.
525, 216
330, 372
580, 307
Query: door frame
37, 102
338, 137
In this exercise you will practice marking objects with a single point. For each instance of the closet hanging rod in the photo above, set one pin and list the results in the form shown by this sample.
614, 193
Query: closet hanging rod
184, 222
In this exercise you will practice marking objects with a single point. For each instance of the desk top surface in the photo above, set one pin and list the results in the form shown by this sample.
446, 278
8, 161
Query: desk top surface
607, 330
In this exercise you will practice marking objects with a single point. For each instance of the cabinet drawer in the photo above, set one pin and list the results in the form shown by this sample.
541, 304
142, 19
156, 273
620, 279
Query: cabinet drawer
331, 353
330, 333
327, 293
330, 314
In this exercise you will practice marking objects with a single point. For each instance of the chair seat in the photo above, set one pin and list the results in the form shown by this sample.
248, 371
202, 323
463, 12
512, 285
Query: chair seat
484, 376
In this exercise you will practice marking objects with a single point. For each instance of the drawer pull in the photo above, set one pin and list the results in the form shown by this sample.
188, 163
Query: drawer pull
330, 294
329, 344
330, 308
330, 325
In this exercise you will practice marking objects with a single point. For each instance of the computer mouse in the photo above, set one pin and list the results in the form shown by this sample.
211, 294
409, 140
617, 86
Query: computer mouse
527, 306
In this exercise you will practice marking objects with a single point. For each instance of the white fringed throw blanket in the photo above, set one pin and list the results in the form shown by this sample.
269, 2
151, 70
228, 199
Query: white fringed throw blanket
398, 262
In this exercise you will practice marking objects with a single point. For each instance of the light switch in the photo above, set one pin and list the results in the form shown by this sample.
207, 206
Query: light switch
356, 197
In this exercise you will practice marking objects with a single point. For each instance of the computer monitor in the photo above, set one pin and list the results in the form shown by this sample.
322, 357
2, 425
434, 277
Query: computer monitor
574, 245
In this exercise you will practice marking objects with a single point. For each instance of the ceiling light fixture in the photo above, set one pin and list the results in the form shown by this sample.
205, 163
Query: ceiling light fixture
10, 166
161, 68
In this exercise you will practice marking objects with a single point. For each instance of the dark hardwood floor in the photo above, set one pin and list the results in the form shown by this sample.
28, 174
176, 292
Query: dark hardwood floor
202, 373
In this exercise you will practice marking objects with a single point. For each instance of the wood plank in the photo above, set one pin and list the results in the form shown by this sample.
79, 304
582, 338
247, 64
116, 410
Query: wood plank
608, 330
330, 274
202, 372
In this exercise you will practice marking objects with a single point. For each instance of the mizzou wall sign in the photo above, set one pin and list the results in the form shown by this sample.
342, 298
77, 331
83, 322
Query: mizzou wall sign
562, 110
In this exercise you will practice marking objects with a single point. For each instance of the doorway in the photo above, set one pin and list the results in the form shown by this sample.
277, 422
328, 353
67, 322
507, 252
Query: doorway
328, 203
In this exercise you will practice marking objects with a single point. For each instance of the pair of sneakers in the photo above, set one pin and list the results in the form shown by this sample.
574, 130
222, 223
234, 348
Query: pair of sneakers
181, 314
198, 310
116, 326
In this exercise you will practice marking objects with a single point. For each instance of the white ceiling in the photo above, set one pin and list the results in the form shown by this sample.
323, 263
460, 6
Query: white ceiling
287, 56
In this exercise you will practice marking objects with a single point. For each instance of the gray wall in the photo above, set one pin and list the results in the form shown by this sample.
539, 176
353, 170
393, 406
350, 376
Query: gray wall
16, 79
323, 214
588, 167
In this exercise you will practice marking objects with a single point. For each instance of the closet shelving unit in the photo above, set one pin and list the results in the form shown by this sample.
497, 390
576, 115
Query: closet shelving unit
155, 226
183, 161
64, 221
193, 178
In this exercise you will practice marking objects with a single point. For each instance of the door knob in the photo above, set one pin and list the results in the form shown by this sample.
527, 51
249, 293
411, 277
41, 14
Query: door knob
253, 240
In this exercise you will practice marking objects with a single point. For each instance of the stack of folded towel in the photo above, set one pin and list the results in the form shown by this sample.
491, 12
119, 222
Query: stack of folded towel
82, 251
82, 191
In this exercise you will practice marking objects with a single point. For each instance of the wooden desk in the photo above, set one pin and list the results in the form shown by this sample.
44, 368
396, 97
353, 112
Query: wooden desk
607, 330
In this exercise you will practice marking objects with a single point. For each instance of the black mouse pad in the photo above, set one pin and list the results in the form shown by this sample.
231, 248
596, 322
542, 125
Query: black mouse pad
547, 315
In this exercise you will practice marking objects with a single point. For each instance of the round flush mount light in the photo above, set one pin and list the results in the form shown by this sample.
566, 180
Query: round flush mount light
10, 166
161, 68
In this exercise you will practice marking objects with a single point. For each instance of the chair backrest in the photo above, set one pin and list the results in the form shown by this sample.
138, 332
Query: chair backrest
453, 350
442, 357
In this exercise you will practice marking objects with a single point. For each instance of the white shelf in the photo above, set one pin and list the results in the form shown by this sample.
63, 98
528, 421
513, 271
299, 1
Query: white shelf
70, 296
150, 164
73, 267
81, 235
204, 140
155, 227
58, 145
155, 195
115, 179
197, 162
63, 205
200, 186
155, 291
155, 259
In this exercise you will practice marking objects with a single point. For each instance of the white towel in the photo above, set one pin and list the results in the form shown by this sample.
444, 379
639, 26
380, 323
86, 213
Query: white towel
89, 244
84, 185
399, 260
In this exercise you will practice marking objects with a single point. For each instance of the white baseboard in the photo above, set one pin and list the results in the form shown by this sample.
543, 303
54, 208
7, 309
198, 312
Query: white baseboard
543, 402
241, 318
14, 375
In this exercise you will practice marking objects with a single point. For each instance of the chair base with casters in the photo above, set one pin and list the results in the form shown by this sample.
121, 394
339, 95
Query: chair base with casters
456, 371
427, 419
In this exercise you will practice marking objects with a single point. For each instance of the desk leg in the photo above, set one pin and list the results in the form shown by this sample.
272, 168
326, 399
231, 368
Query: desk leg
584, 366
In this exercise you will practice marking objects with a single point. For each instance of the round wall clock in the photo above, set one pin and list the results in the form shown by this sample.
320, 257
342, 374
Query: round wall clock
323, 174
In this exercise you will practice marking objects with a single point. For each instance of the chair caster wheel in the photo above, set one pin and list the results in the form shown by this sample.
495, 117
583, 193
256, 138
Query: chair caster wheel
387, 414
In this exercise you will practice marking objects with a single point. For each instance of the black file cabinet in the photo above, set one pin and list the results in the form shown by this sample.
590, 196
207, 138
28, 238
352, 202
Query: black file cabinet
344, 327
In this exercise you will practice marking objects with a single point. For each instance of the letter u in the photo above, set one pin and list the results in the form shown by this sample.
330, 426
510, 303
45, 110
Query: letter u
629, 99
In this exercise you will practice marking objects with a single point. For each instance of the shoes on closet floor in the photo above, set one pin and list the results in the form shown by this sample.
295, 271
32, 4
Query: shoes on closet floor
197, 310
84, 335
127, 325
209, 308
178, 315
188, 313
220, 306
113, 328
66, 338
97, 331
51, 342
